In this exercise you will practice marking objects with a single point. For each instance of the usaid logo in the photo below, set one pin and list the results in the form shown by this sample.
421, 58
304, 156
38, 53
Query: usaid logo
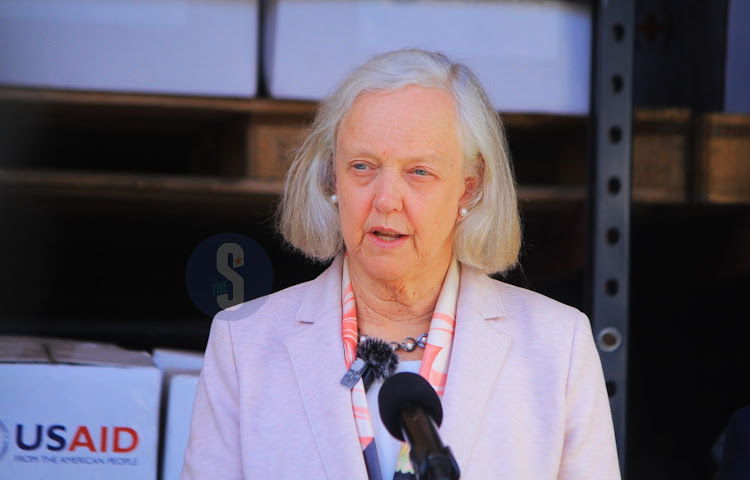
60, 444
4, 440
114, 439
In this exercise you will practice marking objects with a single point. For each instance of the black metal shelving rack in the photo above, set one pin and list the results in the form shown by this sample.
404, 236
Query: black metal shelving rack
609, 197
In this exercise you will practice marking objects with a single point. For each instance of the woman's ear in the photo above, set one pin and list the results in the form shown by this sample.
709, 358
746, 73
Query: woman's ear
470, 186
472, 182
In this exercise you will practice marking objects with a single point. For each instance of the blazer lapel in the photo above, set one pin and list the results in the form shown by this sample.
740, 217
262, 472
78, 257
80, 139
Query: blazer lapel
476, 359
317, 354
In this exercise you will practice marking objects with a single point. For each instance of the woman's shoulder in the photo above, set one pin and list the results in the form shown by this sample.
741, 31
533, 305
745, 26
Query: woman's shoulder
538, 326
518, 299
281, 313
524, 312
277, 303
513, 300
266, 318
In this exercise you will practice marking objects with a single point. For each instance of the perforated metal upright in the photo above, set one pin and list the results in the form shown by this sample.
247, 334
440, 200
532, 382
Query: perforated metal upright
609, 177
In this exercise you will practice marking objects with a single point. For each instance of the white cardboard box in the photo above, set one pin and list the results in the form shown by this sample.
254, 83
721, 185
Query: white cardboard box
737, 70
182, 387
181, 370
72, 410
531, 56
193, 47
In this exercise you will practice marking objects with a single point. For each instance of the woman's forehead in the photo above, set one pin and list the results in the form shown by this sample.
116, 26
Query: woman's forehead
410, 118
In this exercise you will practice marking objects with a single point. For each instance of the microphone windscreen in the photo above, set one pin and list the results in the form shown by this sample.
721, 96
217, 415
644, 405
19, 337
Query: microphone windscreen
402, 391
380, 357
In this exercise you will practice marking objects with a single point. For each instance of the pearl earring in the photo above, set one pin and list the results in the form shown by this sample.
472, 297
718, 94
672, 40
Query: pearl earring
334, 199
463, 212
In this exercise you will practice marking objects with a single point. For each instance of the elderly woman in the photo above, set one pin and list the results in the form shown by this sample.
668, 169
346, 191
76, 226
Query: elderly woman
405, 182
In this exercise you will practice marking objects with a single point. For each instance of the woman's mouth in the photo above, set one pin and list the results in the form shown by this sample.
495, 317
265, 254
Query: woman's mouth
387, 236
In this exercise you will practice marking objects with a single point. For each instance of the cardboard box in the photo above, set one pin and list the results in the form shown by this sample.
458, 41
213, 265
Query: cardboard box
181, 370
737, 69
71, 410
196, 47
692, 54
530, 56
182, 387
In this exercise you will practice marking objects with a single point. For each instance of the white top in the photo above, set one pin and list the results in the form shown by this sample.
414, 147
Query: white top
388, 446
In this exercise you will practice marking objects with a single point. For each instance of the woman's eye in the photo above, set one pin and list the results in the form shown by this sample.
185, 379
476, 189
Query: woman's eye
421, 172
360, 166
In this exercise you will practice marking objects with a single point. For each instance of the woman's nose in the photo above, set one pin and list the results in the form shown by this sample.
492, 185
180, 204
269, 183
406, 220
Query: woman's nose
388, 192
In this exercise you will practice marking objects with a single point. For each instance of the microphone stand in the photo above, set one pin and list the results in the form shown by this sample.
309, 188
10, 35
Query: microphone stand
429, 457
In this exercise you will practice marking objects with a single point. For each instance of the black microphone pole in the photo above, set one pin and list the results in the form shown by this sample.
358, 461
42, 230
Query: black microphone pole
430, 458
411, 411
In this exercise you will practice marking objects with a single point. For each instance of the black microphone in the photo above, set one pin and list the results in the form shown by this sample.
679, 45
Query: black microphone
411, 410
375, 360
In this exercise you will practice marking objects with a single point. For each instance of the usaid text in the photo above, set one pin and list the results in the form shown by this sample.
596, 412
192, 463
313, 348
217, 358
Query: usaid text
57, 438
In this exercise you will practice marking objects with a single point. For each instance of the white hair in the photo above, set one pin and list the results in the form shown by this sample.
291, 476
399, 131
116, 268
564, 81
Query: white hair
488, 238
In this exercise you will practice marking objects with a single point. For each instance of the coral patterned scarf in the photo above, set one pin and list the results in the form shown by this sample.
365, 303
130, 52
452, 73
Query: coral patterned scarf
434, 367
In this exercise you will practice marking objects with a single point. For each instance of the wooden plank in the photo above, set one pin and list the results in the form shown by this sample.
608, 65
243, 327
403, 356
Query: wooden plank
543, 122
79, 99
135, 186
722, 167
228, 104
198, 189
661, 153
551, 194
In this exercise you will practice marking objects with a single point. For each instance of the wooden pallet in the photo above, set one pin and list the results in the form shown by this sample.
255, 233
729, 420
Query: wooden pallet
722, 167
238, 150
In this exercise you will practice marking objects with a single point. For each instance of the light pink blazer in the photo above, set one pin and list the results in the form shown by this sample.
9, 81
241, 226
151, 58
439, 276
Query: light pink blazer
525, 397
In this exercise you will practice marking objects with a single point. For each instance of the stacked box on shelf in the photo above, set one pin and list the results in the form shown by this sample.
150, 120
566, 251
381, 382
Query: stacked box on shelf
737, 67
180, 370
531, 56
200, 47
692, 54
71, 410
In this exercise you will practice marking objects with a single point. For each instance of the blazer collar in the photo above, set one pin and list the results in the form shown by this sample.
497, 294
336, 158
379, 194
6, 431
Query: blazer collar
324, 296
317, 354
477, 357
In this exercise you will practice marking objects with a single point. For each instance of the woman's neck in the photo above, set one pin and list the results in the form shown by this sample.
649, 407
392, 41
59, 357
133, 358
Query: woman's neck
396, 310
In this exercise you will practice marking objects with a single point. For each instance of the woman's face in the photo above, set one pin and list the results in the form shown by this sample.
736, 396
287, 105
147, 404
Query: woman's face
399, 181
